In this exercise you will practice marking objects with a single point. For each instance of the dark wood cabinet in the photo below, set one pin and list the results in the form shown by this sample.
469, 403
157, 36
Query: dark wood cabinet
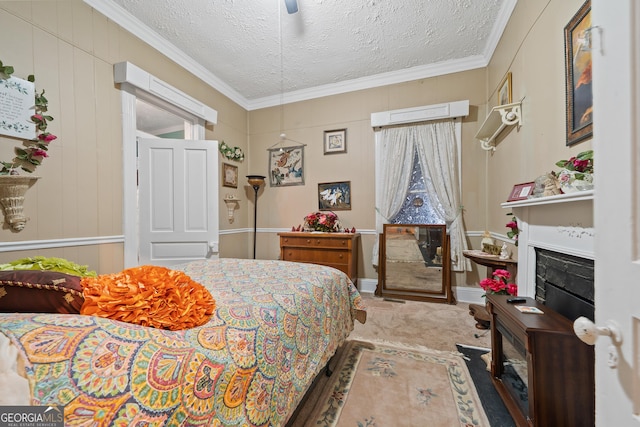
337, 250
542, 371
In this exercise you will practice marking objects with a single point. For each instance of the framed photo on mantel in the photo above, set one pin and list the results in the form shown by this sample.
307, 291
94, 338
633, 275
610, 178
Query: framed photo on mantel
521, 191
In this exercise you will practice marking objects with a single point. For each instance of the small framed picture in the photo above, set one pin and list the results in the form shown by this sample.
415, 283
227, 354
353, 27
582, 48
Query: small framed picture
229, 175
521, 191
335, 141
334, 196
504, 90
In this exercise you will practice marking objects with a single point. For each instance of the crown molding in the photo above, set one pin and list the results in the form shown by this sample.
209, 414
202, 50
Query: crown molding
383, 79
136, 27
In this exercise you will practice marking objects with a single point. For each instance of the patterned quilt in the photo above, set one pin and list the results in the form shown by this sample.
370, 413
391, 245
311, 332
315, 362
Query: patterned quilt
275, 327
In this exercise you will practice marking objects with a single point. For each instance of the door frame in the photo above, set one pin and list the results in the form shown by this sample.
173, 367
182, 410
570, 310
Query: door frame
136, 83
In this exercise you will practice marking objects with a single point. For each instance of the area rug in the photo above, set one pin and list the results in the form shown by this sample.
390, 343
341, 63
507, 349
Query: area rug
386, 384
476, 360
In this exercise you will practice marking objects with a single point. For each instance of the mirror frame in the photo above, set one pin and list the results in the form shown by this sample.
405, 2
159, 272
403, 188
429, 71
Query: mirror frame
443, 296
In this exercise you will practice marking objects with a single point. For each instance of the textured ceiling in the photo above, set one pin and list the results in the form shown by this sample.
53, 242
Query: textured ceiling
260, 51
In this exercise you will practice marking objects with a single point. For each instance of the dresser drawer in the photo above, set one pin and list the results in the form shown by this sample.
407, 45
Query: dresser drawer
315, 255
337, 250
310, 242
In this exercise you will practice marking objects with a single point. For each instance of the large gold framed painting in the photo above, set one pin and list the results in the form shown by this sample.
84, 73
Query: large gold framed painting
577, 43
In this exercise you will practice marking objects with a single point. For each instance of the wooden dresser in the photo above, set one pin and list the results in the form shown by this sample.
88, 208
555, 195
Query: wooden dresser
337, 250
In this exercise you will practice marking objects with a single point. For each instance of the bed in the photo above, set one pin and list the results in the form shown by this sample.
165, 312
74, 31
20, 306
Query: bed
276, 325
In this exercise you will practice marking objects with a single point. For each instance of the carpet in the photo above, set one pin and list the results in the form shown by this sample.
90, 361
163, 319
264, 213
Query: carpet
385, 384
492, 403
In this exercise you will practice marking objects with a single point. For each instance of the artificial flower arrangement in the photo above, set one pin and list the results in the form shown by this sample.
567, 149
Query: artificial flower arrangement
230, 153
499, 284
32, 153
322, 221
514, 231
579, 168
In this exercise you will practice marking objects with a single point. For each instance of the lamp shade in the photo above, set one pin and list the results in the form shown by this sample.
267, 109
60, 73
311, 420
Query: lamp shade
256, 180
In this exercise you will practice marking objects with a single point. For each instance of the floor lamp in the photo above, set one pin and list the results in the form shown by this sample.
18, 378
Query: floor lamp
256, 181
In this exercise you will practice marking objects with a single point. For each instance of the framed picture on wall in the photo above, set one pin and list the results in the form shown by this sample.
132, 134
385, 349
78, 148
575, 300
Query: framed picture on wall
286, 166
504, 90
229, 175
334, 196
335, 141
577, 46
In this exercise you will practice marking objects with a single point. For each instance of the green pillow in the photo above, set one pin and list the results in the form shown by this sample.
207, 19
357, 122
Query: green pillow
60, 265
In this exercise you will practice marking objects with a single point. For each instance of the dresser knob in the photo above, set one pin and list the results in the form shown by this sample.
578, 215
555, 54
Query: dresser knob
341, 256
317, 242
308, 240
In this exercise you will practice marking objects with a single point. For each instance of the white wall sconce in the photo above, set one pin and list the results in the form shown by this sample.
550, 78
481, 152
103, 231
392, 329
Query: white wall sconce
232, 204
12, 191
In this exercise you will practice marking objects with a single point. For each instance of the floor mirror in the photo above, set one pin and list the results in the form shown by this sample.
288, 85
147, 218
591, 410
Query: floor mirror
415, 263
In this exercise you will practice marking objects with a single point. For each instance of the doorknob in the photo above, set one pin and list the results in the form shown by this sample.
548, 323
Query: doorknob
588, 332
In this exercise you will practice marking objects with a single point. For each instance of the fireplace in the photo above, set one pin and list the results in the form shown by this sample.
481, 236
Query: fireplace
565, 283
556, 251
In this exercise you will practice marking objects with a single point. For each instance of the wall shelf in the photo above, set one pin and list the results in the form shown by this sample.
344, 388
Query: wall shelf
499, 118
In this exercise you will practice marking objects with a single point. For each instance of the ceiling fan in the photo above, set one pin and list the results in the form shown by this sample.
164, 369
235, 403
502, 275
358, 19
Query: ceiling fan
292, 6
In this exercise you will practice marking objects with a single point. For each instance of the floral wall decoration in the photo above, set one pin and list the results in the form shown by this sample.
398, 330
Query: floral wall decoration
231, 153
32, 152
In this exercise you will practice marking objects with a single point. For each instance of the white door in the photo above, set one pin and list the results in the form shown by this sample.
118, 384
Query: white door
178, 200
616, 91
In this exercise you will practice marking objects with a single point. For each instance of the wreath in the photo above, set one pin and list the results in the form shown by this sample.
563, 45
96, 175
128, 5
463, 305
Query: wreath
32, 152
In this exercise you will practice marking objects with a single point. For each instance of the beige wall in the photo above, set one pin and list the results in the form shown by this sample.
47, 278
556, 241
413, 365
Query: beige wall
284, 207
71, 49
532, 49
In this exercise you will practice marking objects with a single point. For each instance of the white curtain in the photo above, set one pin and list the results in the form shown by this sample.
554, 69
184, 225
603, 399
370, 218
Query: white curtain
394, 157
438, 155
436, 145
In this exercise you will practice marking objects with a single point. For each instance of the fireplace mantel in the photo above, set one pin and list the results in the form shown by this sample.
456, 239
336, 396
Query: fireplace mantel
562, 223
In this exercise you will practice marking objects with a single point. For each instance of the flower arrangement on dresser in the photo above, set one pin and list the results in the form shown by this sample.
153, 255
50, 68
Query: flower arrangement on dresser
322, 221
499, 284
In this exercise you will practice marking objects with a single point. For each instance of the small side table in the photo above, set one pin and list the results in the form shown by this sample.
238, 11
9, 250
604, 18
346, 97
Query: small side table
479, 312
492, 261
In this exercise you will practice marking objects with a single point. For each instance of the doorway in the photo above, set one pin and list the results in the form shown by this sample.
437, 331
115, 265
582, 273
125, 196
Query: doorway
159, 103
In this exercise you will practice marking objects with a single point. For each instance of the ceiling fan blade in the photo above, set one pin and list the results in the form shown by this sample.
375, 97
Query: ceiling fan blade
292, 6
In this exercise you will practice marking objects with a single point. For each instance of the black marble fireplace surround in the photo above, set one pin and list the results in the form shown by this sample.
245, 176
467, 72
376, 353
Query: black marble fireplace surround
565, 283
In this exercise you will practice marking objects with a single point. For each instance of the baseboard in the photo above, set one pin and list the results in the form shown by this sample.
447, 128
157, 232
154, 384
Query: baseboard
463, 294
367, 286
469, 295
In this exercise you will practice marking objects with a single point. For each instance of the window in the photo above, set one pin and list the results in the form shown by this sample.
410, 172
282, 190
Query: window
417, 208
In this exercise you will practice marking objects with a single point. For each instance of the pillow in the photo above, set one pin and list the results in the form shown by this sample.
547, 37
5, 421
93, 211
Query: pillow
51, 264
35, 291
148, 296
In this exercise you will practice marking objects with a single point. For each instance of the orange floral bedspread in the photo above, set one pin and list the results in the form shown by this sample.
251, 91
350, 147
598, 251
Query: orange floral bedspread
275, 327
